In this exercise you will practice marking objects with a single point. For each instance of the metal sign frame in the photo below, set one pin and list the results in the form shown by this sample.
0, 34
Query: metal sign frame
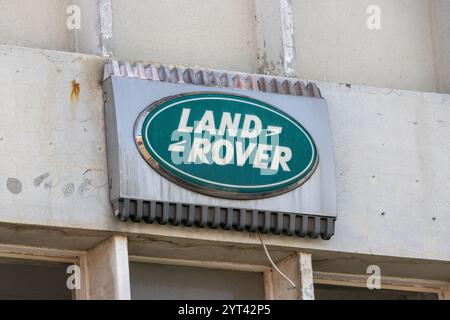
140, 193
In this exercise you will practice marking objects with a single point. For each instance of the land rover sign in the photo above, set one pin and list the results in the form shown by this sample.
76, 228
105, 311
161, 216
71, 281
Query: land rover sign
225, 145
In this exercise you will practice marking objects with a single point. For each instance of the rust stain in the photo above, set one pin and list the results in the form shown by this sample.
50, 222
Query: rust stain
75, 95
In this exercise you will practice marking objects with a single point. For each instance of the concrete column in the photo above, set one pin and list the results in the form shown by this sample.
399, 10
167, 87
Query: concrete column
275, 37
96, 33
298, 268
445, 293
108, 273
440, 29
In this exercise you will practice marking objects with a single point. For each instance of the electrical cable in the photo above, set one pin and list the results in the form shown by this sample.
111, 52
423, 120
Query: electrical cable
275, 266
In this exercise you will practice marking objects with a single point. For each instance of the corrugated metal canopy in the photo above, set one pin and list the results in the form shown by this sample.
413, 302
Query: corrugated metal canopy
214, 217
214, 78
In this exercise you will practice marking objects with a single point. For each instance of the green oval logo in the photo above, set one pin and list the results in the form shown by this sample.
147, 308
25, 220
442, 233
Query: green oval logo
226, 145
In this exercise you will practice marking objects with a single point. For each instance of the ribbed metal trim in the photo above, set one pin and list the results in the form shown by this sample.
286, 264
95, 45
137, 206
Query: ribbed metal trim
176, 214
212, 78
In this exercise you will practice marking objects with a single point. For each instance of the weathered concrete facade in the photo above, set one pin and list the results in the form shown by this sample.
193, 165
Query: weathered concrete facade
394, 182
318, 40
391, 146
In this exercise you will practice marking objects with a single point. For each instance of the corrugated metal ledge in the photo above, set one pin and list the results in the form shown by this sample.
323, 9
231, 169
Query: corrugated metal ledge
213, 78
187, 215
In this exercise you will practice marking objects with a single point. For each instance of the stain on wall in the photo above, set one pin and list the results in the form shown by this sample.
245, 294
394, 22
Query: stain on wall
75, 94
84, 187
39, 180
68, 190
14, 186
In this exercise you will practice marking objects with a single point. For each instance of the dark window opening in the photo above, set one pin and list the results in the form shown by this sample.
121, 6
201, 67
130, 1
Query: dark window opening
164, 282
33, 280
333, 292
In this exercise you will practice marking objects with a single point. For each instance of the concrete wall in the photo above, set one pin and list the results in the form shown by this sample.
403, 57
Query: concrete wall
48, 135
334, 43
36, 24
391, 146
392, 159
214, 33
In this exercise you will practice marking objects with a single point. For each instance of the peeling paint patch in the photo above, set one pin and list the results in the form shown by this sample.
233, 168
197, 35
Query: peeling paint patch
276, 37
288, 37
75, 94
106, 27
39, 180
14, 186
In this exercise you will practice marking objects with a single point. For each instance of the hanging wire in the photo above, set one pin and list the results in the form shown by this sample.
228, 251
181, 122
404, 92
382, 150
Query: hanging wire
275, 266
